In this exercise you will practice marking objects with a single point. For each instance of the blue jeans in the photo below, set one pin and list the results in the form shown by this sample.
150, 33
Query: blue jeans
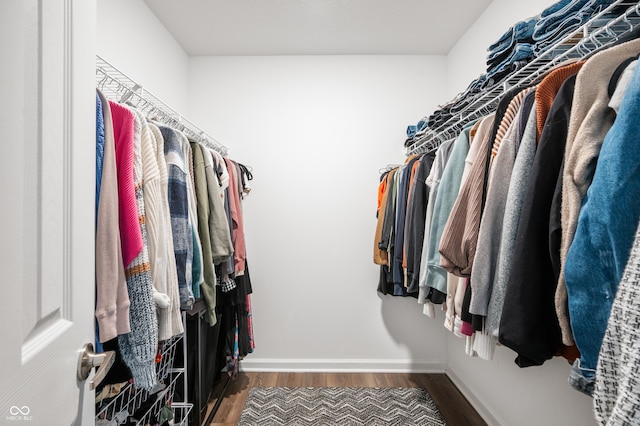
522, 52
582, 379
520, 32
439, 117
498, 76
413, 129
558, 20
558, 7
461, 101
570, 25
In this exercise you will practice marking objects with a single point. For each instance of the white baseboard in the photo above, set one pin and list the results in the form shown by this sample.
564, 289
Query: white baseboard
342, 365
484, 412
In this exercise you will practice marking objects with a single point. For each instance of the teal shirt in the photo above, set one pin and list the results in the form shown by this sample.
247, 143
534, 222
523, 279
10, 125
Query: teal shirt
445, 198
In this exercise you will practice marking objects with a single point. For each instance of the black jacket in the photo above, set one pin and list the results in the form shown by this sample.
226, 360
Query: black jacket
529, 324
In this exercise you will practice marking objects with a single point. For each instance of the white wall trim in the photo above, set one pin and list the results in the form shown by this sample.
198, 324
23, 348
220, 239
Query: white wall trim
490, 417
343, 365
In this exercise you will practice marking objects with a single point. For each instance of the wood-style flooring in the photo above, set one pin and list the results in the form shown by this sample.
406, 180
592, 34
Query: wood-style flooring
452, 404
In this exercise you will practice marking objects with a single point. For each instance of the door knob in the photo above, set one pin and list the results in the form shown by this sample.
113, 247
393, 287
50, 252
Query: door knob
89, 359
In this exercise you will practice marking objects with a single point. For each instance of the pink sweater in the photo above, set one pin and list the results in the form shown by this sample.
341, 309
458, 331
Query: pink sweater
130, 232
112, 298
237, 232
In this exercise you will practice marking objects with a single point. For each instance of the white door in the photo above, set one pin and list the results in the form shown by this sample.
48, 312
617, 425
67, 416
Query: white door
47, 184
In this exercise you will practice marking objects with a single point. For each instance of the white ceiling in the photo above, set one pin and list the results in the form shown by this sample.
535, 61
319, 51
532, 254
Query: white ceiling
317, 27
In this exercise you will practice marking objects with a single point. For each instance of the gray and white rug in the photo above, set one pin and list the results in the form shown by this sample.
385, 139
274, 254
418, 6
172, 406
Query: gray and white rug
339, 406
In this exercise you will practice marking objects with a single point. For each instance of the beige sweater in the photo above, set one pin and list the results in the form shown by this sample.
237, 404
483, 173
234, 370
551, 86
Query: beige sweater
591, 119
112, 298
460, 234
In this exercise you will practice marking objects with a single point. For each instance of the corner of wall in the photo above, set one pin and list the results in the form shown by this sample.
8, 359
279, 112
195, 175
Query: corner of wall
135, 50
488, 415
466, 60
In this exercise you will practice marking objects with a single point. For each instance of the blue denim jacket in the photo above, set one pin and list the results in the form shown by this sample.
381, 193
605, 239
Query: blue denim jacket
606, 228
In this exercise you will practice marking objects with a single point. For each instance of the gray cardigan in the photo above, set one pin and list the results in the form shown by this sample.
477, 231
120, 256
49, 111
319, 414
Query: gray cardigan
511, 218
490, 233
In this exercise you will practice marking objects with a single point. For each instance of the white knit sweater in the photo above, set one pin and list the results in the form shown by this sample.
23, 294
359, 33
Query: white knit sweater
163, 262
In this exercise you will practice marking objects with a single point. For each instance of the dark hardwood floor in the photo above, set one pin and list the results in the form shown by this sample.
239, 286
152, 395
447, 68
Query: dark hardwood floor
452, 404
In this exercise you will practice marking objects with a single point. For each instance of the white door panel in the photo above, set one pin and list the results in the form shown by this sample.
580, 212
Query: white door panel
47, 184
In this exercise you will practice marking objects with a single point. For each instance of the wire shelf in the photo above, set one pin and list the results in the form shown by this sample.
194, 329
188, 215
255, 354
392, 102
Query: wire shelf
115, 85
600, 32
129, 401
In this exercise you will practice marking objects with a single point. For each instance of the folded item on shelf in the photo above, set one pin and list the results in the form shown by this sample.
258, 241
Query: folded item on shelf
498, 76
520, 51
566, 15
412, 129
521, 32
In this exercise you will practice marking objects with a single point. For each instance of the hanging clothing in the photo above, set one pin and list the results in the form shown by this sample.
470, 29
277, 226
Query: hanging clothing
548, 89
433, 183
149, 256
166, 230
451, 177
221, 245
459, 236
208, 287
237, 229
528, 324
138, 347
591, 119
616, 395
541, 218
99, 146
195, 273
112, 298
179, 210
604, 234
380, 254
130, 233
513, 207
158, 225
416, 217
404, 179
491, 226
388, 219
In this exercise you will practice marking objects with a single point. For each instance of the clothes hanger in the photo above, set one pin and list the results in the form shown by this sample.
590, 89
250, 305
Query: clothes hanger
102, 82
388, 168
131, 92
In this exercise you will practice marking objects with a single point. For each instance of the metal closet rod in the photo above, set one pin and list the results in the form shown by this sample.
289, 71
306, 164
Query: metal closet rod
119, 87
591, 36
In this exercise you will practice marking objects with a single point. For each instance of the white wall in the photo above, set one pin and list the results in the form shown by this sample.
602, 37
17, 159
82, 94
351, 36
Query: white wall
133, 40
499, 389
505, 394
316, 130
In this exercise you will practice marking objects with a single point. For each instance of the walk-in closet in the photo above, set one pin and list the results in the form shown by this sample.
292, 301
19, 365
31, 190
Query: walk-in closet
320, 212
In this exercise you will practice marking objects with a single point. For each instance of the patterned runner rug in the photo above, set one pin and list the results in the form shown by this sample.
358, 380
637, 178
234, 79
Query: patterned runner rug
339, 406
